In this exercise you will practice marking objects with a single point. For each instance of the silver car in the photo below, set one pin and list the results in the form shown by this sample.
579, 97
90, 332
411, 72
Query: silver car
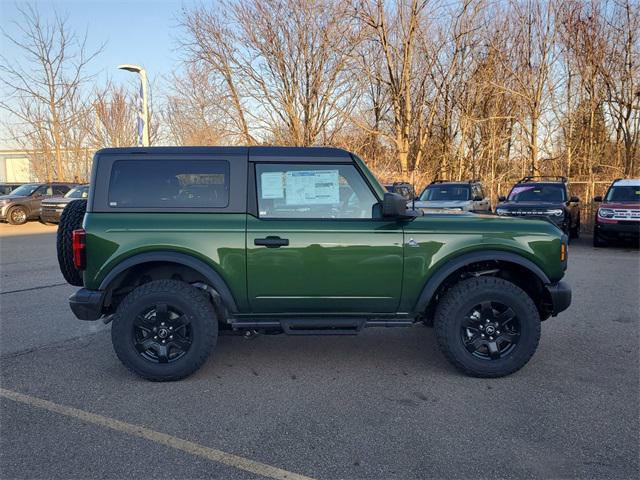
466, 196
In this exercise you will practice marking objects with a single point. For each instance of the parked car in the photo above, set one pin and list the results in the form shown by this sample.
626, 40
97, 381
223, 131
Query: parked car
7, 188
543, 197
618, 216
23, 203
467, 196
51, 208
402, 188
303, 241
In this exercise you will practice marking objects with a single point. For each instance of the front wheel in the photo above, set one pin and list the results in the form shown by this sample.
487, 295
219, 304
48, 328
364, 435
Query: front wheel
487, 327
164, 330
17, 216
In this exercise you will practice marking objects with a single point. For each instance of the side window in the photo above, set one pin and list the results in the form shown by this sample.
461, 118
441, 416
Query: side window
60, 189
312, 191
183, 184
42, 190
476, 191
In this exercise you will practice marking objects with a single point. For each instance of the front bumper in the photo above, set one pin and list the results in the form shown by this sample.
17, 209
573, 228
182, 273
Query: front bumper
50, 214
560, 297
87, 304
620, 229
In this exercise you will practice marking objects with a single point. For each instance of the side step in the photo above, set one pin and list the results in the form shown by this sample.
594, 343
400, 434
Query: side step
319, 326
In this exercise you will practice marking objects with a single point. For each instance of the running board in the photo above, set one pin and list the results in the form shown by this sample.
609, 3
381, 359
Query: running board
319, 326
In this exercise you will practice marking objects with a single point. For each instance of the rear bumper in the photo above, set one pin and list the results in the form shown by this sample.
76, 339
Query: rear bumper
87, 304
560, 295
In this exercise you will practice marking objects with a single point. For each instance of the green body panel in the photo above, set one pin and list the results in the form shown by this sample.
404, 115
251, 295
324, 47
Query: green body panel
218, 239
441, 238
329, 266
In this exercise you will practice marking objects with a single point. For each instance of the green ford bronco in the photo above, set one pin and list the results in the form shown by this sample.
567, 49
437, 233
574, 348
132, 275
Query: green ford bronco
175, 245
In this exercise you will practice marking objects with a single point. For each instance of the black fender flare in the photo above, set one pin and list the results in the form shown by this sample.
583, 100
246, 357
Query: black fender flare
458, 262
208, 272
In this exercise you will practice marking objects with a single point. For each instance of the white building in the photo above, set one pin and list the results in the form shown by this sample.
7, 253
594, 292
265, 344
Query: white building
15, 166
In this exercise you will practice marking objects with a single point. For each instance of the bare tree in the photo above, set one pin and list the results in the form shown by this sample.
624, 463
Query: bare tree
46, 98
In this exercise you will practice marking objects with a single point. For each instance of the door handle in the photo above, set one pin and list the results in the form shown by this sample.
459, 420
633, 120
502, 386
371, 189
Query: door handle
271, 242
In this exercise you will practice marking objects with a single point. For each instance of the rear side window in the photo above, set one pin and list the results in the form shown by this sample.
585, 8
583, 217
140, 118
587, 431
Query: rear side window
172, 184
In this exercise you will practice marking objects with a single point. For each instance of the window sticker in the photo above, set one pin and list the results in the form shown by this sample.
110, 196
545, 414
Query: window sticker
271, 183
312, 187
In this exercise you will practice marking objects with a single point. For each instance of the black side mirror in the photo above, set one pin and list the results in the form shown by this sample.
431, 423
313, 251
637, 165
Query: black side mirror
394, 205
574, 199
598, 198
502, 198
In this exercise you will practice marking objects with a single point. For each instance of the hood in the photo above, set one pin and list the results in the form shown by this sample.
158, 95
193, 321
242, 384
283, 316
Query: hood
441, 203
625, 205
530, 205
58, 200
12, 197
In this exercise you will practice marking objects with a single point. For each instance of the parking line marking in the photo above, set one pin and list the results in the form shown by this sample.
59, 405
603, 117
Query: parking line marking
212, 454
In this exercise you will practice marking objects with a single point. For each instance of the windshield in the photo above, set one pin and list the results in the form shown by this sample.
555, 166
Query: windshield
78, 192
551, 193
24, 190
436, 193
624, 194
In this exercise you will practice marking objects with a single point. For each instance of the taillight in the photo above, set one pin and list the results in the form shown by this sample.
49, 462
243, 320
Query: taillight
79, 242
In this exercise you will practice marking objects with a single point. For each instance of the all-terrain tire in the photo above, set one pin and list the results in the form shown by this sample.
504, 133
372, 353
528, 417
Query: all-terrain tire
17, 215
460, 299
176, 294
70, 220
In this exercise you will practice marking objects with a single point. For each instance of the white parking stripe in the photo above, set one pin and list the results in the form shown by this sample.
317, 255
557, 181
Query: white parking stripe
219, 456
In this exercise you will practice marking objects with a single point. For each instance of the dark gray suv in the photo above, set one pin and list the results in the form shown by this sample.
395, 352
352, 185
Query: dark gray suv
23, 203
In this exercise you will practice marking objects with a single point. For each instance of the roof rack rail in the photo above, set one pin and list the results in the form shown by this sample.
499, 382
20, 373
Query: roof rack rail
532, 177
438, 180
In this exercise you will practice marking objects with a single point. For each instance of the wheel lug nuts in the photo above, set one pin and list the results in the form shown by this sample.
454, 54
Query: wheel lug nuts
490, 338
170, 337
170, 328
481, 327
155, 338
164, 341
486, 321
155, 329
498, 332
482, 335
162, 324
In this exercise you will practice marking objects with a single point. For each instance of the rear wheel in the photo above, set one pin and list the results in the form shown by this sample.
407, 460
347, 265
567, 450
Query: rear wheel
17, 216
164, 330
70, 220
487, 327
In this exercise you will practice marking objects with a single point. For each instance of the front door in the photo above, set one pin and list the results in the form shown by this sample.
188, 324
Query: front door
315, 246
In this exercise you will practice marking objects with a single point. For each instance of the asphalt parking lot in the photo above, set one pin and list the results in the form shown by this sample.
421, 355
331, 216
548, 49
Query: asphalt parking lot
384, 404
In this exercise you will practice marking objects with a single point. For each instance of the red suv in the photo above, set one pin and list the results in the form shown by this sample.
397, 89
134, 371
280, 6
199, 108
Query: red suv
618, 216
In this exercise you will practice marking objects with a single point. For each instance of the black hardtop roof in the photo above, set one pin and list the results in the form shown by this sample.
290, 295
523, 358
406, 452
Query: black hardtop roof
259, 153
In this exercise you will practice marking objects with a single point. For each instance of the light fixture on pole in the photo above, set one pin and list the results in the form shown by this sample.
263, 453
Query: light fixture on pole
143, 110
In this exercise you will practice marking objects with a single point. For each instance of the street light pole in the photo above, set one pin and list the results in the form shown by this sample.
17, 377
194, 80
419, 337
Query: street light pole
143, 114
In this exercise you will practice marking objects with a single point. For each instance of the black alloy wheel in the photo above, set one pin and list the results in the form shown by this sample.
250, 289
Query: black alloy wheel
162, 333
490, 330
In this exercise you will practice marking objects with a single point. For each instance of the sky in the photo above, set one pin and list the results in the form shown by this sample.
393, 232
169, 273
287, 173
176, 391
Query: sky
136, 31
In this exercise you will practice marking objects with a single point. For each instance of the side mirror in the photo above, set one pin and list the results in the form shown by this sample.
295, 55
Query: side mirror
394, 205
502, 198
477, 198
574, 199
598, 198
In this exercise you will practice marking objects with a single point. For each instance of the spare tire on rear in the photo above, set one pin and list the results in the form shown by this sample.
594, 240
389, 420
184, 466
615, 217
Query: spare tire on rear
70, 220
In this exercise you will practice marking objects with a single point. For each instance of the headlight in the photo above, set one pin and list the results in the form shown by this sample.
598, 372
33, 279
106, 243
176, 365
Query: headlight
502, 211
556, 212
606, 213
